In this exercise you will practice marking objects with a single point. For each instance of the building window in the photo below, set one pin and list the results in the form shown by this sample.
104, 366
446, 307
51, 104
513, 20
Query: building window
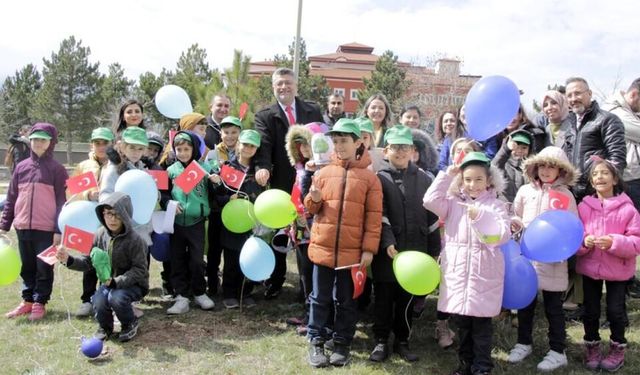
338, 91
354, 94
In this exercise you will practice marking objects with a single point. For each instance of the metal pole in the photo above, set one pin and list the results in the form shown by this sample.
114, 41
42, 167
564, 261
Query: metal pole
296, 53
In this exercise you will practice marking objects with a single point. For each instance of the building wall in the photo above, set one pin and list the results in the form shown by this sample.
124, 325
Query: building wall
348, 88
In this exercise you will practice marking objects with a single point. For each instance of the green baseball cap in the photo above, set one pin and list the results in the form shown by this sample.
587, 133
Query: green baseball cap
398, 135
345, 125
250, 136
521, 138
231, 120
134, 135
39, 134
183, 136
365, 124
102, 133
475, 157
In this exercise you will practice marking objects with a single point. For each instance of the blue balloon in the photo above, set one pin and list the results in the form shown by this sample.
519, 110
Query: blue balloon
91, 347
256, 259
79, 214
142, 190
173, 102
510, 249
490, 106
520, 283
553, 236
161, 246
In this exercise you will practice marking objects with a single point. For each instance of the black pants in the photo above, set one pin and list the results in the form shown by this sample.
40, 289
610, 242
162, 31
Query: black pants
393, 308
214, 253
37, 276
305, 270
555, 316
475, 342
232, 276
279, 272
187, 259
89, 281
615, 308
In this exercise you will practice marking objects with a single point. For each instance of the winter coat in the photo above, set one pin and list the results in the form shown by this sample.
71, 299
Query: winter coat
127, 250
512, 167
427, 149
445, 153
565, 137
36, 191
533, 199
616, 217
600, 133
631, 121
348, 218
472, 278
212, 136
93, 165
405, 223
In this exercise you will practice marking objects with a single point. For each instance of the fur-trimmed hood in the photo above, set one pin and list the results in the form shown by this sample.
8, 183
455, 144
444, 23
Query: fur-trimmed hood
497, 183
294, 135
427, 149
551, 155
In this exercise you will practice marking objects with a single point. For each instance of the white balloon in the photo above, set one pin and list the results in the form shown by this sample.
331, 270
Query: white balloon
142, 190
173, 102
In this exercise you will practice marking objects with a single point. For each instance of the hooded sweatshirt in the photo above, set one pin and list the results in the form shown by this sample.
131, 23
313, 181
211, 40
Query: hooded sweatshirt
37, 190
127, 250
511, 166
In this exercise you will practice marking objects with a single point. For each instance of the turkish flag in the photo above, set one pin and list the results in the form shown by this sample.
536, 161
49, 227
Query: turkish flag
49, 255
190, 177
459, 158
558, 200
359, 277
81, 182
296, 198
77, 239
232, 177
161, 178
243, 110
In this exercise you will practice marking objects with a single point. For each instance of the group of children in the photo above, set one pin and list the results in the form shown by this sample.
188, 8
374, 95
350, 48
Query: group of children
353, 215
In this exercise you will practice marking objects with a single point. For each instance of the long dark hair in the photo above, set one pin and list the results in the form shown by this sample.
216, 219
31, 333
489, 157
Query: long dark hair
120, 124
618, 188
459, 129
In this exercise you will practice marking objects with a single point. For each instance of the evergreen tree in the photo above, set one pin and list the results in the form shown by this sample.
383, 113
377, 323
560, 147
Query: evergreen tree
145, 91
19, 95
116, 88
239, 86
194, 75
387, 78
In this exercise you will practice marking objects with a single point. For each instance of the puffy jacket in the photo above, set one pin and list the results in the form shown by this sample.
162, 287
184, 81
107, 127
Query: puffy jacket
631, 121
512, 167
127, 250
348, 218
533, 199
615, 217
405, 223
472, 279
36, 192
600, 133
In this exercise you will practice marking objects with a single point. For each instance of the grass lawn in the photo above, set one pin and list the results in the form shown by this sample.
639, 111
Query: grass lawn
232, 342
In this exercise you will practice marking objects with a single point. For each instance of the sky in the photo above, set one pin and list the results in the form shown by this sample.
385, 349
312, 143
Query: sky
533, 42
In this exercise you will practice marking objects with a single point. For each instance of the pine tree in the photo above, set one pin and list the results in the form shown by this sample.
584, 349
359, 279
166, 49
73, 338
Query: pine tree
116, 88
239, 86
387, 78
18, 96
145, 91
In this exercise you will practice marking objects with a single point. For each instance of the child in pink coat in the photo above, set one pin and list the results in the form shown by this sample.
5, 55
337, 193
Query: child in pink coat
608, 255
476, 224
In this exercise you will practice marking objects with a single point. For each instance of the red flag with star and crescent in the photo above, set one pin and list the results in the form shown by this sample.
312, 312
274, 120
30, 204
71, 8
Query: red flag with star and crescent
296, 198
78, 184
232, 177
359, 276
49, 255
190, 177
558, 200
77, 239
160, 177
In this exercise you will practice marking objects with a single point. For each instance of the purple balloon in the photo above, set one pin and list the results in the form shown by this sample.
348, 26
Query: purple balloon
553, 236
490, 106
520, 283
91, 347
510, 250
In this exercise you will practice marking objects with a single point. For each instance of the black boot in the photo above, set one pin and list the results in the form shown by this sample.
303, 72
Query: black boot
402, 348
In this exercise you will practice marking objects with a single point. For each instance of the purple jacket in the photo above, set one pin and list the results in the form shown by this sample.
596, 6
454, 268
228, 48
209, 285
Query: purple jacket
615, 217
37, 190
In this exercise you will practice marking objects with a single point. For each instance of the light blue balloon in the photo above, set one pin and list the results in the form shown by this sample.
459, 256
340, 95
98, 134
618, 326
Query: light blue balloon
520, 283
142, 190
79, 214
490, 106
173, 102
256, 259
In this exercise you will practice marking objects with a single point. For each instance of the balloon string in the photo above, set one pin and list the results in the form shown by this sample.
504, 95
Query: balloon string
244, 279
406, 317
64, 301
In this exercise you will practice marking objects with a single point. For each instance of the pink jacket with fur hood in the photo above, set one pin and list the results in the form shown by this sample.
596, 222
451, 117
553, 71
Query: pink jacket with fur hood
615, 217
472, 279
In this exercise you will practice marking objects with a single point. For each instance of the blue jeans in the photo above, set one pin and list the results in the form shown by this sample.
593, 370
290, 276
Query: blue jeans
328, 285
107, 301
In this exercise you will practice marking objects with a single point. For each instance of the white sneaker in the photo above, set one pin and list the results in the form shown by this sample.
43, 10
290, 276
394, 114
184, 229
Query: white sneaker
204, 302
552, 361
86, 309
181, 306
519, 353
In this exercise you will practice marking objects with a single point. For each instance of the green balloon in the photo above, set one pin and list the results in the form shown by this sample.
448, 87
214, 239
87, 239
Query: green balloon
274, 209
416, 272
237, 216
102, 263
10, 265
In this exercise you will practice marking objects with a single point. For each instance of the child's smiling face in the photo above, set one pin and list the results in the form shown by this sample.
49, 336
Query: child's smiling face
548, 173
475, 180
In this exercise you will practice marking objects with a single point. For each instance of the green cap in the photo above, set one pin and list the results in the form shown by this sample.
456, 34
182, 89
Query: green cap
250, 136
475, 157
231, 120
398, 135
39, 134
184, 137
102, 133
365, 124
134, 135
521, 138
345, 125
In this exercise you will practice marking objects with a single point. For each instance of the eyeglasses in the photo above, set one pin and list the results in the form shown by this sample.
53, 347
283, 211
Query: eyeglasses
110, 215
396, 148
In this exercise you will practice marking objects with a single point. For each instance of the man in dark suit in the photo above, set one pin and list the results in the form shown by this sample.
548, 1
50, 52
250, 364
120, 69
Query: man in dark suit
272, 163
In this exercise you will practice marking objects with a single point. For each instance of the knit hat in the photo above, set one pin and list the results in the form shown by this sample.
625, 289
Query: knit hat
398, 135
250, 136
102, 133
231, 120
345, 125
134, 135
190, 120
